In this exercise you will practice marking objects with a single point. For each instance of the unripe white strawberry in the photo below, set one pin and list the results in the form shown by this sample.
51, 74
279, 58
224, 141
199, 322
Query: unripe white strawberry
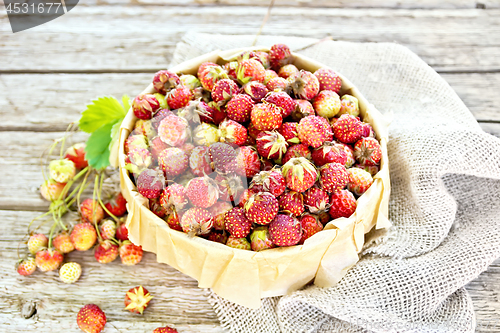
37, 242
62, 170
70, 272
51, 190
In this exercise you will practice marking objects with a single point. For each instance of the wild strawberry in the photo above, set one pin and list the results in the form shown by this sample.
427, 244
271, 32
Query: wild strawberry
230, 187
173, 161
145, 127
329, 152
156, 208
62, 243
300, 174
263, 57
164, 81
197, 221
277, 84
107, 229
137, 299
269, 181
26, 266
327, 103
260, 239
280, 55
121, 232
303, 84
218, 236
323, 217
70, 272
205, 134
359, 181
150, 183
138, 160
266, 116
368, 131
37, 242
179, 97
238, 243
256, 90
261, 208
232, 132
316, 200
333, 177
173, 197
130, 254
248, 162
190, 81
250, 70
328, 80
62, 171
285, 230
165, 329
291, 202
76, 154
252, 131
247, 193
106, 252
271, 144
348, 129
48, 260
159, 116
135, 141
117, 205
218, 211
313, 131
367, 151
371, 169
52, 190
174, 220
237, 223
299, 150
303, 108
287, 70
209, 74
270, 74
83, 236
283, 100
343, 204
224, 90
310, 226
145, 106
223, 157
91, 319
202, 192
239, 108
199, 161
349, 151
349, 105
174, 130
289, 132
231, 70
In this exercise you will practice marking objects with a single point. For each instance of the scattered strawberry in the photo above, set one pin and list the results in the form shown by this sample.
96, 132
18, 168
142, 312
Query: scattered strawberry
137, 299
299, 150
70, 272
197, 221
279, 55
329, 152
328, 80
91, 211
303, 84
62, 170
238, 243
130, 254
174, 130
343, 204
327, 103
237, 224
218, 211
26, 266
76, 154
282, 100
314, 131
248, 162
266, 116
255, 90
107, 229
333, 177
52, 190
289, 132
239, 108
300, 174
83, 236
232, 132
165, 329
291, 202
277, 84
164, 81
260, 239
316, 200
285, 230
173, 161
310, 226
303, 108
269, 181
223, 157
349, 105
250, 70
48, 259
145, 106
359, 181
179, 97
63, 243
271, 144
117, 205
91, 319
261, 208
367, 151
287, 71
37, 242
348, 129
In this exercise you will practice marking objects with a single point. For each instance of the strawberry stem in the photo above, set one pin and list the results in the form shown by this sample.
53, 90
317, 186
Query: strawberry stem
96, 182
102, 204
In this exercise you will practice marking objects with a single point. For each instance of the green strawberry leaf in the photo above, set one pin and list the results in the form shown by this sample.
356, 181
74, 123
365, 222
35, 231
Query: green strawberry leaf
114, 144
102, 111
126, 103
97, 147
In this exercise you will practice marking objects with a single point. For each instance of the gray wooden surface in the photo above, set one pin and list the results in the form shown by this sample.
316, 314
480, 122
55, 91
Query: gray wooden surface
111, 47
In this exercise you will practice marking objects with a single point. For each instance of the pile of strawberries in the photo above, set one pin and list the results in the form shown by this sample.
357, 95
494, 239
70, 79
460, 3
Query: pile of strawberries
255, 153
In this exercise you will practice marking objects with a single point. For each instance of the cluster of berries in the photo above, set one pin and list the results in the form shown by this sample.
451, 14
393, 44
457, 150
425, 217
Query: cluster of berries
254, 153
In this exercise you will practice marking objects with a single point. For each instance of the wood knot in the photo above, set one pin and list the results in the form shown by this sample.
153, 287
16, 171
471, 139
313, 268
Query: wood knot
28, 310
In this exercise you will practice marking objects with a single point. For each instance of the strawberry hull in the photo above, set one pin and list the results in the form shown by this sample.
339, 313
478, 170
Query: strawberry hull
242, 276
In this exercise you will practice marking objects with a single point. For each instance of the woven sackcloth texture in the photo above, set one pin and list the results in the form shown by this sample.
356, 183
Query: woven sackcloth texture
445, 207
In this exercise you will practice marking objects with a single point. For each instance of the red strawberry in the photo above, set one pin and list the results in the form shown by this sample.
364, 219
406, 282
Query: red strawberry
173, 197
314, 131
239, 108
197, 221
343, 204
327, 103
165, 329
269, 181
270, 74
247, 193
237, 223
202, 192
256, 90
348, 129
328, 80
271, 144
349, 105
299, 150
316, 200
230, 187
277, 84
285, 230
371, 169
287, 70
179, 97
52, 190
83, 236
26, 266
323, 217
135, 141
329, 152
145, 106
37, 242
174, 130
252, 131
138, 160
238, 243
291, 202
106, 252
250, 70
209, 73
150, 183
248, 162
310, 226
204, 66
224, 90
232, 132
174, 221
303, 84
121, 232
199, 161
359, 181
223, 157
218, 236
280, 55
173, 161
137, 299
62, 243
164, 81
368, 131
261, 208
91, 211
48, 260
157, 208
218, 114
333, 177
159, 116
289, 132
130, 254
91, 319
117, 205
349, 151
260, 239
300, 174
367, 151
266, 116
283, 100
303, 108
218, 211
76, 153
231, 68
267, 165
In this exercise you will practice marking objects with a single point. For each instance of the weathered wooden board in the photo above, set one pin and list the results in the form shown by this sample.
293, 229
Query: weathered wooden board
142, 38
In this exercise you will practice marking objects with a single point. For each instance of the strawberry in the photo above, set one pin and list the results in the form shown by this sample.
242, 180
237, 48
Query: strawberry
159, 116
26, 266
343, 204
333, 177
218, 236
179, 97
117, 205
266, 116
91, 319
150, 183
231, 68
371, 169
280, 55
328, 80
48, 259
238, 243
145, 127
83, 236
230, 187
224, 90
52, 190
291, 202
135, 141
165, 329
255, 90
261, 208
277, 84
239, 108
367, 151
105, 252
91, 211
329, 152
209, 74
62, 170
232, 132
223, 157
348, 129
202, 192
260, 239
300, 174
283, 100
270, 74
164, 81
245, 196
76, 154
316, 200
287, 70
323, 217
368, 131
121, 232
199, 161
206, 134
130, 254
271, 144
289, 132
310, 226
173, 197
299, 150
359, 181
248, 162
196, 111
327, 103
173, 220
37, 242
197, 221
107, 229
349, 151
263, 57
138, 160
174, 130
250, 70
237, 224
349, 105
70, 272
62, 243
269, 181
285, 230
313, 131
303, 84
137, 299
303, 108
156, 208
218, 211
190, 81
145, 106
173, 161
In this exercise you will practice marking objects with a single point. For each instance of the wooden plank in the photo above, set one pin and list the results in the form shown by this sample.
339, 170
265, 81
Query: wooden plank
492, 128
142, 38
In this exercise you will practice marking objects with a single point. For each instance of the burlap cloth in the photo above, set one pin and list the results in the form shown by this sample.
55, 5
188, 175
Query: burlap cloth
445, 207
